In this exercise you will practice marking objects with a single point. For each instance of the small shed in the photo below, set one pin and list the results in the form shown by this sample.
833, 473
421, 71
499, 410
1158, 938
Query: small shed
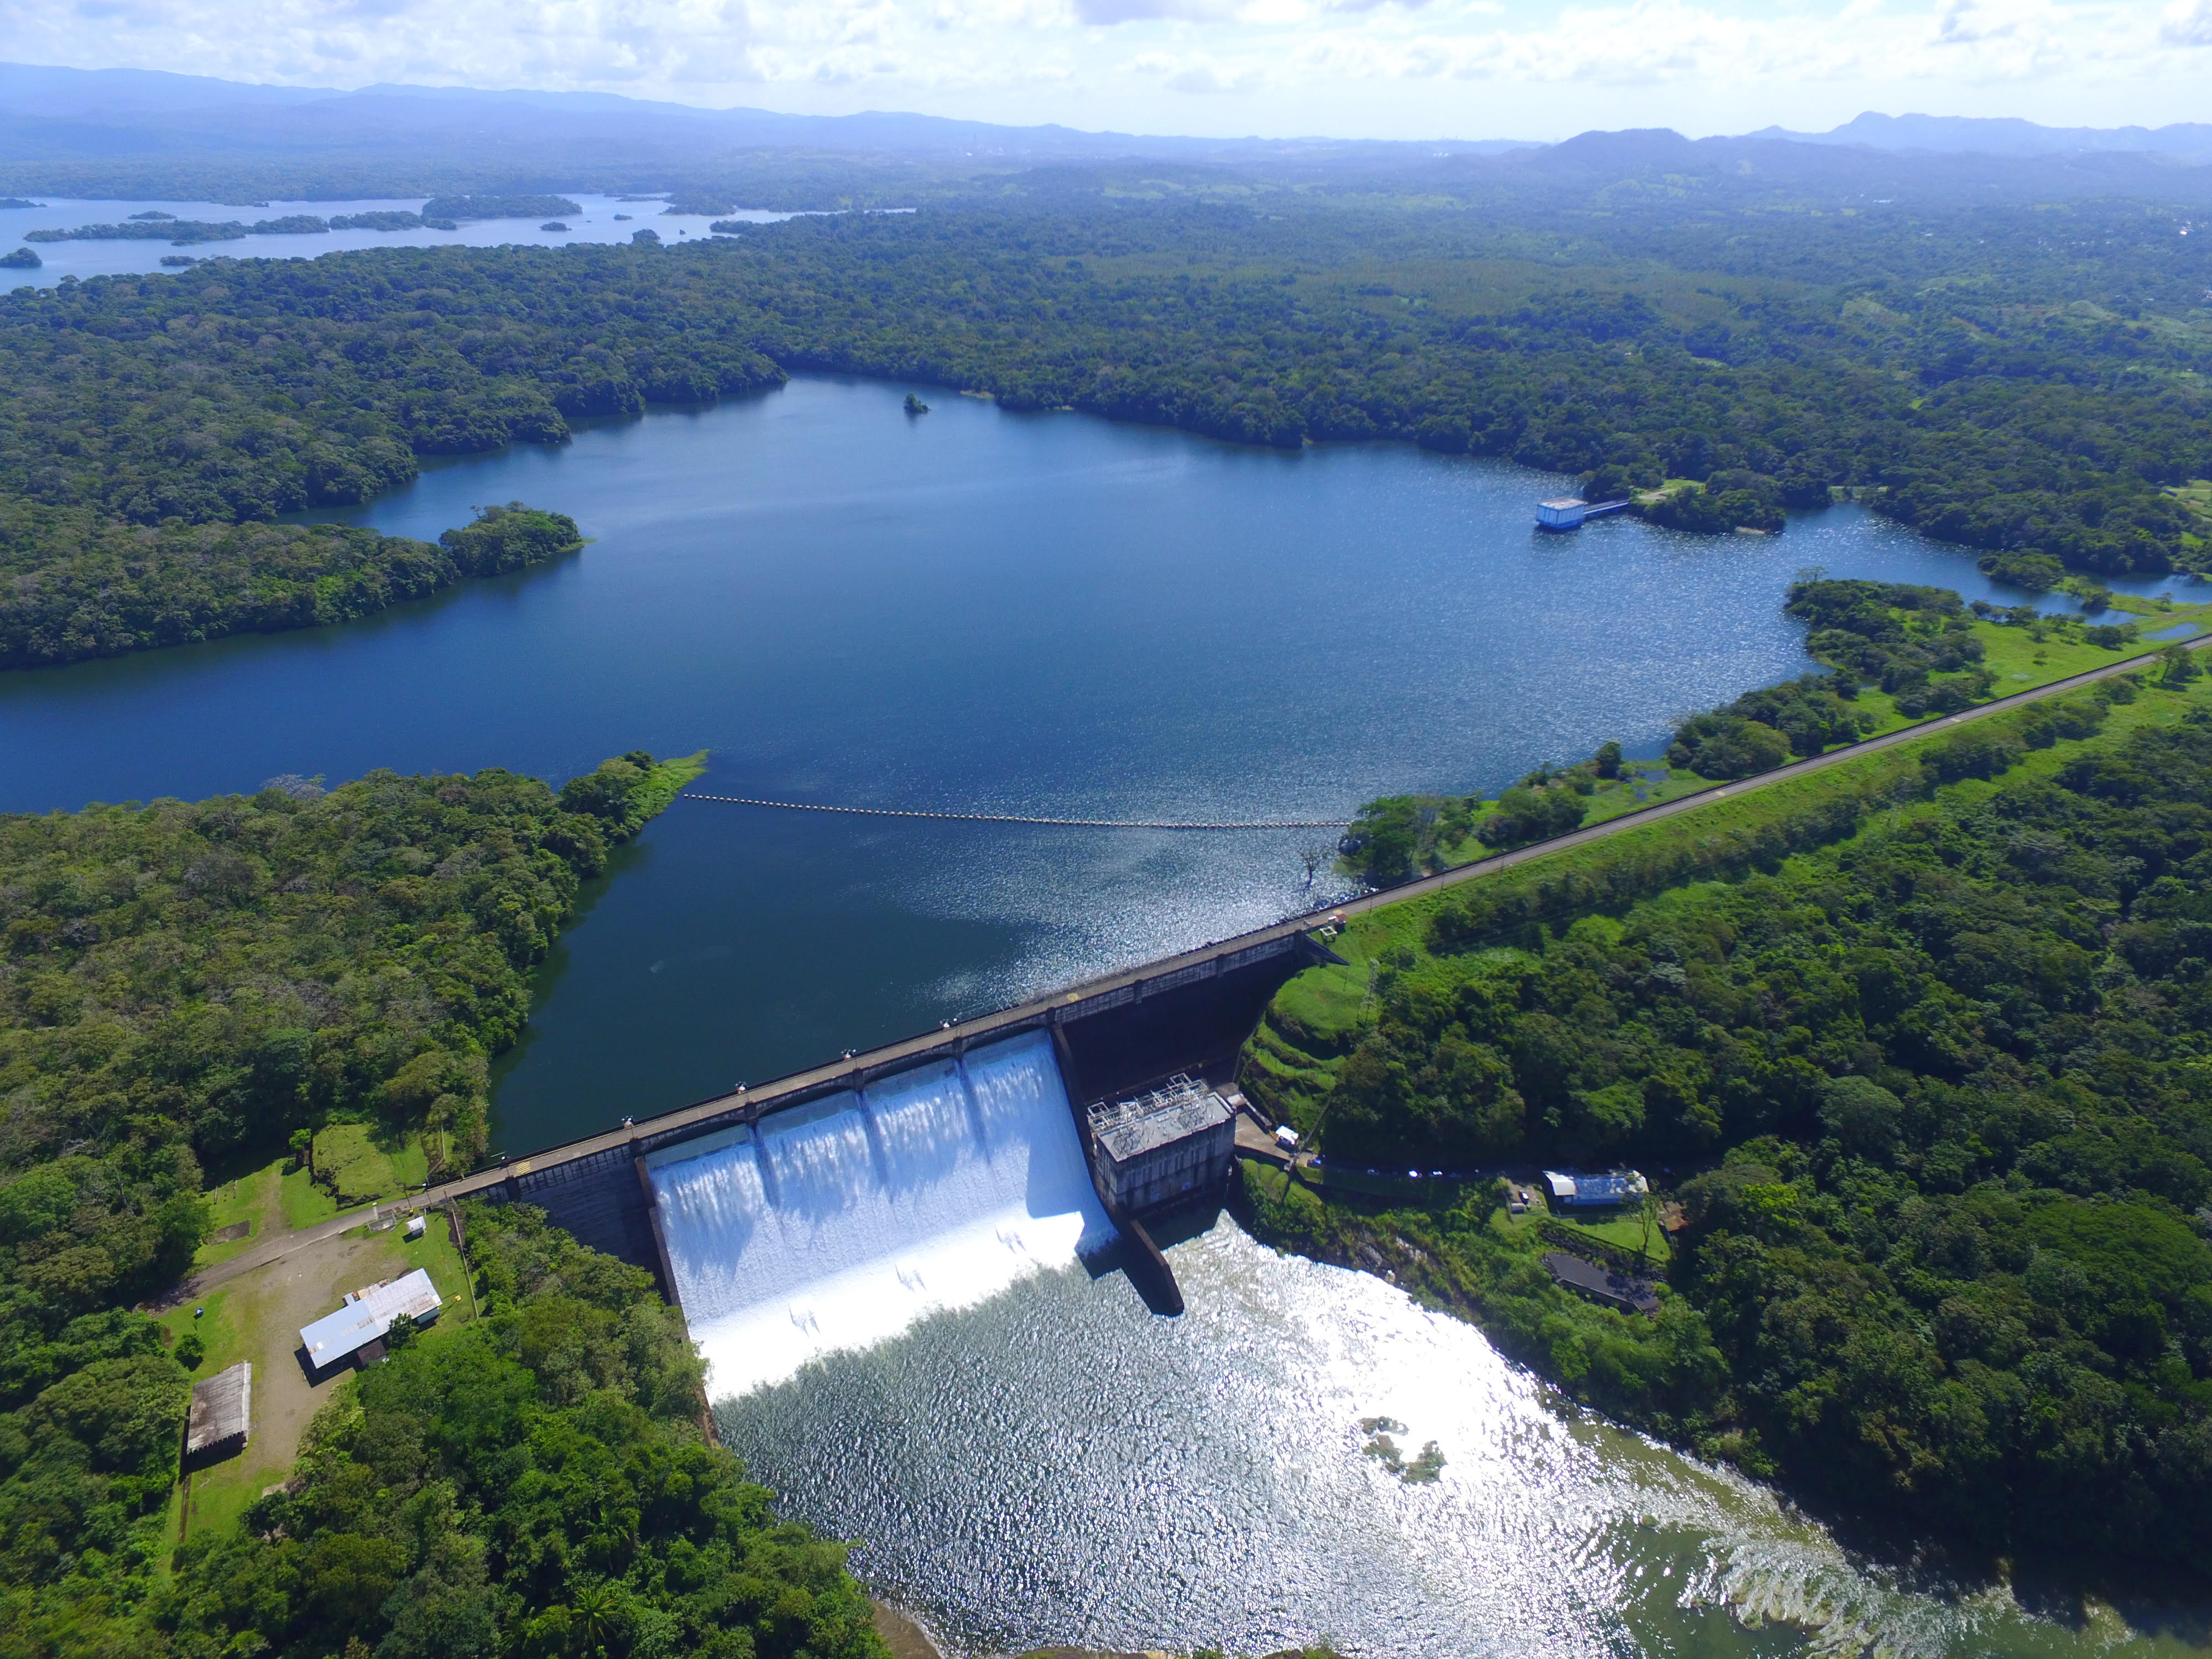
221, 1415
367, 1315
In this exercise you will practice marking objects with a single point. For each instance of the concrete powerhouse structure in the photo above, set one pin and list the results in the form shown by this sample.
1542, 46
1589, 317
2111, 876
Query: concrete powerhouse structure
1176, 1142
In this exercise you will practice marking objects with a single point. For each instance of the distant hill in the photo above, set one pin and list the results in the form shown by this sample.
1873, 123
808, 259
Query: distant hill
60, 112
1763, 165
2004, 135
144, 133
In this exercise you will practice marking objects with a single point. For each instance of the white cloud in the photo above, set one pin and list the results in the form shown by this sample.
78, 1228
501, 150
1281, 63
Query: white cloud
1393, 68
2188, 23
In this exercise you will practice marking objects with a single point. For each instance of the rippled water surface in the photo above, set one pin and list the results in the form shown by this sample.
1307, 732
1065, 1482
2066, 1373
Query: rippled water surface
1060, 1466
968, 611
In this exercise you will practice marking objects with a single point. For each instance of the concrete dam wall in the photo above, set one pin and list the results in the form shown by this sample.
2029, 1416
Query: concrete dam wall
832, 1208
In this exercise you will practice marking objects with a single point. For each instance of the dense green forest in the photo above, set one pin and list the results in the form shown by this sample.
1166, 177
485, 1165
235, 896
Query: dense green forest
1925, 1043
534, 1483
189, 984
239, 968
75, 583
2028, 381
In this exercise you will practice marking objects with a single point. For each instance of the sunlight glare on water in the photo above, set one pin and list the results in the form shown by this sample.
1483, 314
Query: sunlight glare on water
1057, 1465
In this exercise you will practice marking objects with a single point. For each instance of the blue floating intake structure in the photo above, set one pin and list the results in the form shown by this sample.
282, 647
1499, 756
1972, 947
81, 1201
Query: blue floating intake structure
837, 1223
1569, 511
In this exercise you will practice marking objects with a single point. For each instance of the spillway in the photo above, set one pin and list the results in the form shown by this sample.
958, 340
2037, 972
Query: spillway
839, 1223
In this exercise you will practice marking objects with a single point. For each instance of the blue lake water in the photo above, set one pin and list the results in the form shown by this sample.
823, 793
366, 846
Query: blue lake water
969, 611
596, 222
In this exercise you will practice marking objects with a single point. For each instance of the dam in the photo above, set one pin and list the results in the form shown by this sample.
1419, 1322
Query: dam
920, 1162
826, 1210
836, 1224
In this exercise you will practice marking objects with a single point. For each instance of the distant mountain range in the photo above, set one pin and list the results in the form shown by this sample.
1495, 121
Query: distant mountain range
2003, 136
141, 132
89, 111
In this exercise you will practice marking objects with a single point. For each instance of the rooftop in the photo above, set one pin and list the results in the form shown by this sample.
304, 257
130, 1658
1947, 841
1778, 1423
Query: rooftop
1602, 1283
1605, 1187
222, 1408
367, 1315
1176, 1110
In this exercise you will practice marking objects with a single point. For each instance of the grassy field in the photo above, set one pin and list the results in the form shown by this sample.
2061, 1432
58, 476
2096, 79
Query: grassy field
2196, 496
1624, 1232
252, 1200
305, 1203
258, 1317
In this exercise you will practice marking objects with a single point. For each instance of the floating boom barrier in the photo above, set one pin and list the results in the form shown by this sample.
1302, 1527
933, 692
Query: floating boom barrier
1012, 818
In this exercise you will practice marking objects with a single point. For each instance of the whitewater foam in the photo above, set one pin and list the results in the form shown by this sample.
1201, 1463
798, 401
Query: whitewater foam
838, 1225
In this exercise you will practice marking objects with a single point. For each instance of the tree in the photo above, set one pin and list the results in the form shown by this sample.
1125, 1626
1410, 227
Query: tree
1315, 855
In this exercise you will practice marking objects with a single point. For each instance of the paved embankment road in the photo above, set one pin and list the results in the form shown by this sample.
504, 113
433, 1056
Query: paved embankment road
1936, 727
847, 1070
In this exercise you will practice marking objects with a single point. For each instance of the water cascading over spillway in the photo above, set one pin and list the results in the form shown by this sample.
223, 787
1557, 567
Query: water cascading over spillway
839, 1223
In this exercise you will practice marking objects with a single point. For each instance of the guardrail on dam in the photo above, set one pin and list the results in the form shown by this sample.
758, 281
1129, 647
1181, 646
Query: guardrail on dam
1181, 1013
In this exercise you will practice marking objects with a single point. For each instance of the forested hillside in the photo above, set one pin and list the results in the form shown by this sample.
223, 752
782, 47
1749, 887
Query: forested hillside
2030, 381
533, 1483
1924, 1044
188, 983
75, 583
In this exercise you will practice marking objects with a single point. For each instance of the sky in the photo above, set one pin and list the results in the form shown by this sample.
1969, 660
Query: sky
1384, 69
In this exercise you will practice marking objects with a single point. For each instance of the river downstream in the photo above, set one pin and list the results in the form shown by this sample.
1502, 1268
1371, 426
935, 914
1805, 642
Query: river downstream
1060, 1466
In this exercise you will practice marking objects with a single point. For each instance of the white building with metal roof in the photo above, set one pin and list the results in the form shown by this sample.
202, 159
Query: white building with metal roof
366, 1315
1584, 1191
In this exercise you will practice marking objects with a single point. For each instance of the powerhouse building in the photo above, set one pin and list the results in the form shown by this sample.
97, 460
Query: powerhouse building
1171, 1142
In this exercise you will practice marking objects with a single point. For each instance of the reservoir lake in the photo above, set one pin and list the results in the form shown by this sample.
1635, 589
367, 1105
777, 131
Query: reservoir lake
974, 611
968, 610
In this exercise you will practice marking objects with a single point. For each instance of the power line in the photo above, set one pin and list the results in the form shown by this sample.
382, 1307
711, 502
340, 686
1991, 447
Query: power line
1011, 817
